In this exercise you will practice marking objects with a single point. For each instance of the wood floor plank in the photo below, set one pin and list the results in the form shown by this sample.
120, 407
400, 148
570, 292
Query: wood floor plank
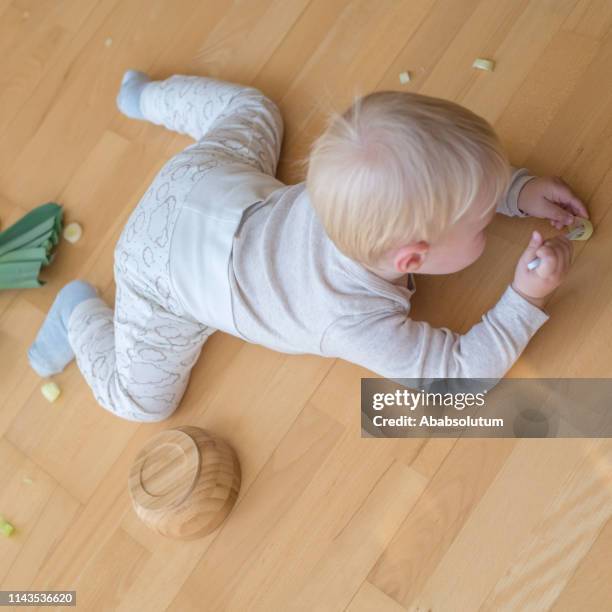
563, 139
312, 525
250, 37
344, 566
296, 49
590, 18
10, 212
110, 572
55, 519
552, 79
369, 598
34, 110
529, 36
18, 379
57, 153
500, 524
21, 503
589, 586
95, 525
430, 529
431, 38
31, 41
570, 526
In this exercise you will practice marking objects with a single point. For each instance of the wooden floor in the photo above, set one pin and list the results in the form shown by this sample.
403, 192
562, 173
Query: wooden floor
325, 520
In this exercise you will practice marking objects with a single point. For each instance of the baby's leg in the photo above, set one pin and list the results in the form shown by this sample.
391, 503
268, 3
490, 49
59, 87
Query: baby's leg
138, 359
236, 123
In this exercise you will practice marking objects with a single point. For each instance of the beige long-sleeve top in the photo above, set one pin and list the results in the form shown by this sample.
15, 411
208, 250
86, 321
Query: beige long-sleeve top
294, 291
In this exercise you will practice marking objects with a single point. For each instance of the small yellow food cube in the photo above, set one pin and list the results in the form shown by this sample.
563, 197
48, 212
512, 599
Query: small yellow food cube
404, 77
6, 528
72, 232
484, 64
51, 391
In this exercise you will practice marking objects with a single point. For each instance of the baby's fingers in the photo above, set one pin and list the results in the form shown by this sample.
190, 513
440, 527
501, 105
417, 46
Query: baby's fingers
563, 194
556, 255
549, 260
557, 224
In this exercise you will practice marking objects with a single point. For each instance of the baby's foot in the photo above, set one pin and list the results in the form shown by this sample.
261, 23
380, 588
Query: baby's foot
51, 352
128, 99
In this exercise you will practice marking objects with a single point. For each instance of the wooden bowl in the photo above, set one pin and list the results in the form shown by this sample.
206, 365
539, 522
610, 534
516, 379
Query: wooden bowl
184, 482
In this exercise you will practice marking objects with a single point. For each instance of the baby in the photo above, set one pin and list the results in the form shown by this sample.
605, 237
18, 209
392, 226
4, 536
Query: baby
399, 184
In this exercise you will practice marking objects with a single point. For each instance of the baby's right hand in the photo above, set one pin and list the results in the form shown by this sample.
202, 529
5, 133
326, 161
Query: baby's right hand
555, 255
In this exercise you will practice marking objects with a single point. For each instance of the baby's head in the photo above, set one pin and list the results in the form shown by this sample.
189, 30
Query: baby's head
407, 183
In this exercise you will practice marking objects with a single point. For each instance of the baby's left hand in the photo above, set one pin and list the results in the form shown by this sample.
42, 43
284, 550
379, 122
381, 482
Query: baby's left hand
550, 197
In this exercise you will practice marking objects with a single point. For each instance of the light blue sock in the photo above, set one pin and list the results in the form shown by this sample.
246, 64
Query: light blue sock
128, 98
51, 352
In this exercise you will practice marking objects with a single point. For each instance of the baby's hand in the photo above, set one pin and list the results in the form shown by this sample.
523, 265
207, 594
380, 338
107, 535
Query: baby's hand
555, 255
550, 197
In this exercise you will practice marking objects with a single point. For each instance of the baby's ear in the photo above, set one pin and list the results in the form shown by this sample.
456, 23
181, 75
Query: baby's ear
410, 257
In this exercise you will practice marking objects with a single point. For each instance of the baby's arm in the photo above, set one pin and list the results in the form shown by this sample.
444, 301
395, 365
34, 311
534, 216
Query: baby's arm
395, 346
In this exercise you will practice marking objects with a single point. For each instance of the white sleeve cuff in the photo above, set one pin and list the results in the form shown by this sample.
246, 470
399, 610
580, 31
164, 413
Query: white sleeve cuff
509, 204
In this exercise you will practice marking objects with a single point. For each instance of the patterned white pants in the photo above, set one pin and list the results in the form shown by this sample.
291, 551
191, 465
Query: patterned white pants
138, 359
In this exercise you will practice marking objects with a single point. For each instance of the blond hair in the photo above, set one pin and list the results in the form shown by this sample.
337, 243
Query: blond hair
397, 167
